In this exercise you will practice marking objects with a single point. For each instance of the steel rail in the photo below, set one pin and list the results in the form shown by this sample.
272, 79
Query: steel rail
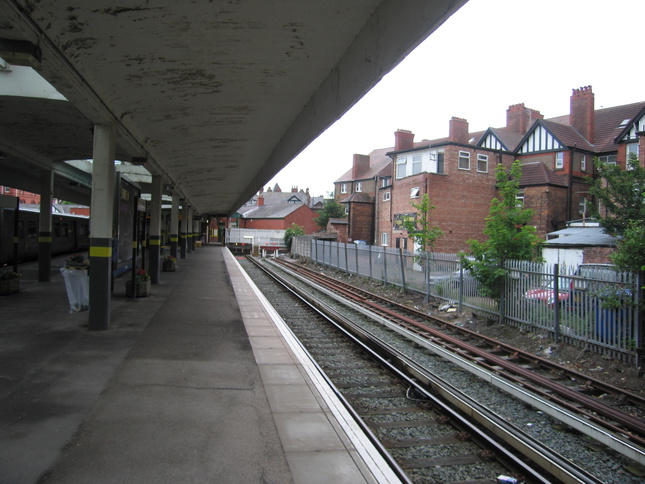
618, 441
468, 409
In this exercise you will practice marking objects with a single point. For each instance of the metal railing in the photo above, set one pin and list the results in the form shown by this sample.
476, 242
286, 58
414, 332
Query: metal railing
597, 308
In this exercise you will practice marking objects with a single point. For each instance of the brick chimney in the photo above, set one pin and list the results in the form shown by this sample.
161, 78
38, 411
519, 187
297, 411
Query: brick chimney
360, 165
261, 200
294, 188
582, 115
403, 140
458, 130
520, 118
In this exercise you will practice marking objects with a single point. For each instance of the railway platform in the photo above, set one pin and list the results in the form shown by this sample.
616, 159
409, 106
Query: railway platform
199, 382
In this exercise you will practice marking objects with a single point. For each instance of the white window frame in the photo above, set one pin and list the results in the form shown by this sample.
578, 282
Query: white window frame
482, 159
417, 165
609, 159
583, 163
359, 186
463, 155
401, 163
414, 192
343, 188
630, 148
519, 198
384, 239
385, 182
386, 196
559, 160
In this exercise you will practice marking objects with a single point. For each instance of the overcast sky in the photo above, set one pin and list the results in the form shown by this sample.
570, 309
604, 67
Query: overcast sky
487, 56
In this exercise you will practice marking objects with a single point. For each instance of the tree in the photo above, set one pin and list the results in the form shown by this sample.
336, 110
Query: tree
294, 231
331, 209
419, 229
621, 199
509, 237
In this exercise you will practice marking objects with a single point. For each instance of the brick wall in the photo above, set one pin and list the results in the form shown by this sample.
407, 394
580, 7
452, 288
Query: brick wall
361, 222
597, 255
461, 199
549, 206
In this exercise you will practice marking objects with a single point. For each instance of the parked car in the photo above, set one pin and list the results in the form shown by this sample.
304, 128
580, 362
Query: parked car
583, 283
546, 295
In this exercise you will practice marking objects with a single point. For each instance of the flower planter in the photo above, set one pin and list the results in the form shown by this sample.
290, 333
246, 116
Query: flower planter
169, 266
9, 286
142, 288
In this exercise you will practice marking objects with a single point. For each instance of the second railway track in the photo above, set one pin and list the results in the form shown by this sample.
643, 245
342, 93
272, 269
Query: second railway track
583, 454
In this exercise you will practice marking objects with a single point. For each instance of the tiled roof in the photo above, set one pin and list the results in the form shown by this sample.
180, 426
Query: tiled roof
536, 173
608, 124
380, 164
568, 135
359, 197
509, 138
272, 211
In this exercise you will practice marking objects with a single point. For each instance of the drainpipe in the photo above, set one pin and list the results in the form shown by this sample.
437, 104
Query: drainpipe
376, 204
570, 187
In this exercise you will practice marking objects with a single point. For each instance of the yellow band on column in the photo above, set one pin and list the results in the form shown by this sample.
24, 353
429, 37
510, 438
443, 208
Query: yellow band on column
100, 251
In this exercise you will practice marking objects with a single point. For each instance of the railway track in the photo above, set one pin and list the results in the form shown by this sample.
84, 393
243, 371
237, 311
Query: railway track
617, 416
434, 432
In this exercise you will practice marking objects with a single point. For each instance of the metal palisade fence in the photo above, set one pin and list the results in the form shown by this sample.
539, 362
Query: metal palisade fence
591, 305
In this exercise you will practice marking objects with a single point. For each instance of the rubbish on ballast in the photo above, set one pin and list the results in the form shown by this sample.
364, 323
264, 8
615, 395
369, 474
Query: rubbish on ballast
506, 480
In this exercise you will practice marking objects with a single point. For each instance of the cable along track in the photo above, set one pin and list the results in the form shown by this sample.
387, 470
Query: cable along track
433, 431
608, 414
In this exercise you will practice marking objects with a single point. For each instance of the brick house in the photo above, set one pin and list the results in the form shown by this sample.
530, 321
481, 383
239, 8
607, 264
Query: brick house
357, 190
458, 172
558, 155
457, 176
277, 210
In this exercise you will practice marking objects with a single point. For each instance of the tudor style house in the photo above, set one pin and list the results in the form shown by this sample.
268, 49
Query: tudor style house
458, 172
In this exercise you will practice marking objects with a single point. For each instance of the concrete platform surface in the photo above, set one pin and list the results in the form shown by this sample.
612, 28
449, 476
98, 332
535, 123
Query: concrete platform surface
199, 382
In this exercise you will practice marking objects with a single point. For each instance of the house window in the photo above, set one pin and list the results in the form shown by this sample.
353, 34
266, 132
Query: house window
346, 209
582, 206
385, 181
464, 160
559, 160
414, 192
583, 163
386, 196
343, 188
609, 159
7, 190
401, 164
632, 149
416, 165
519, 198
482, 163
440, 163
384, 238
359, 186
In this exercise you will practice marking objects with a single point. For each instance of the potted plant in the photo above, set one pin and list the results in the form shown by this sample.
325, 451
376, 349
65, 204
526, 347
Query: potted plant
142, 284
169, 264
76, 261
9, 282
